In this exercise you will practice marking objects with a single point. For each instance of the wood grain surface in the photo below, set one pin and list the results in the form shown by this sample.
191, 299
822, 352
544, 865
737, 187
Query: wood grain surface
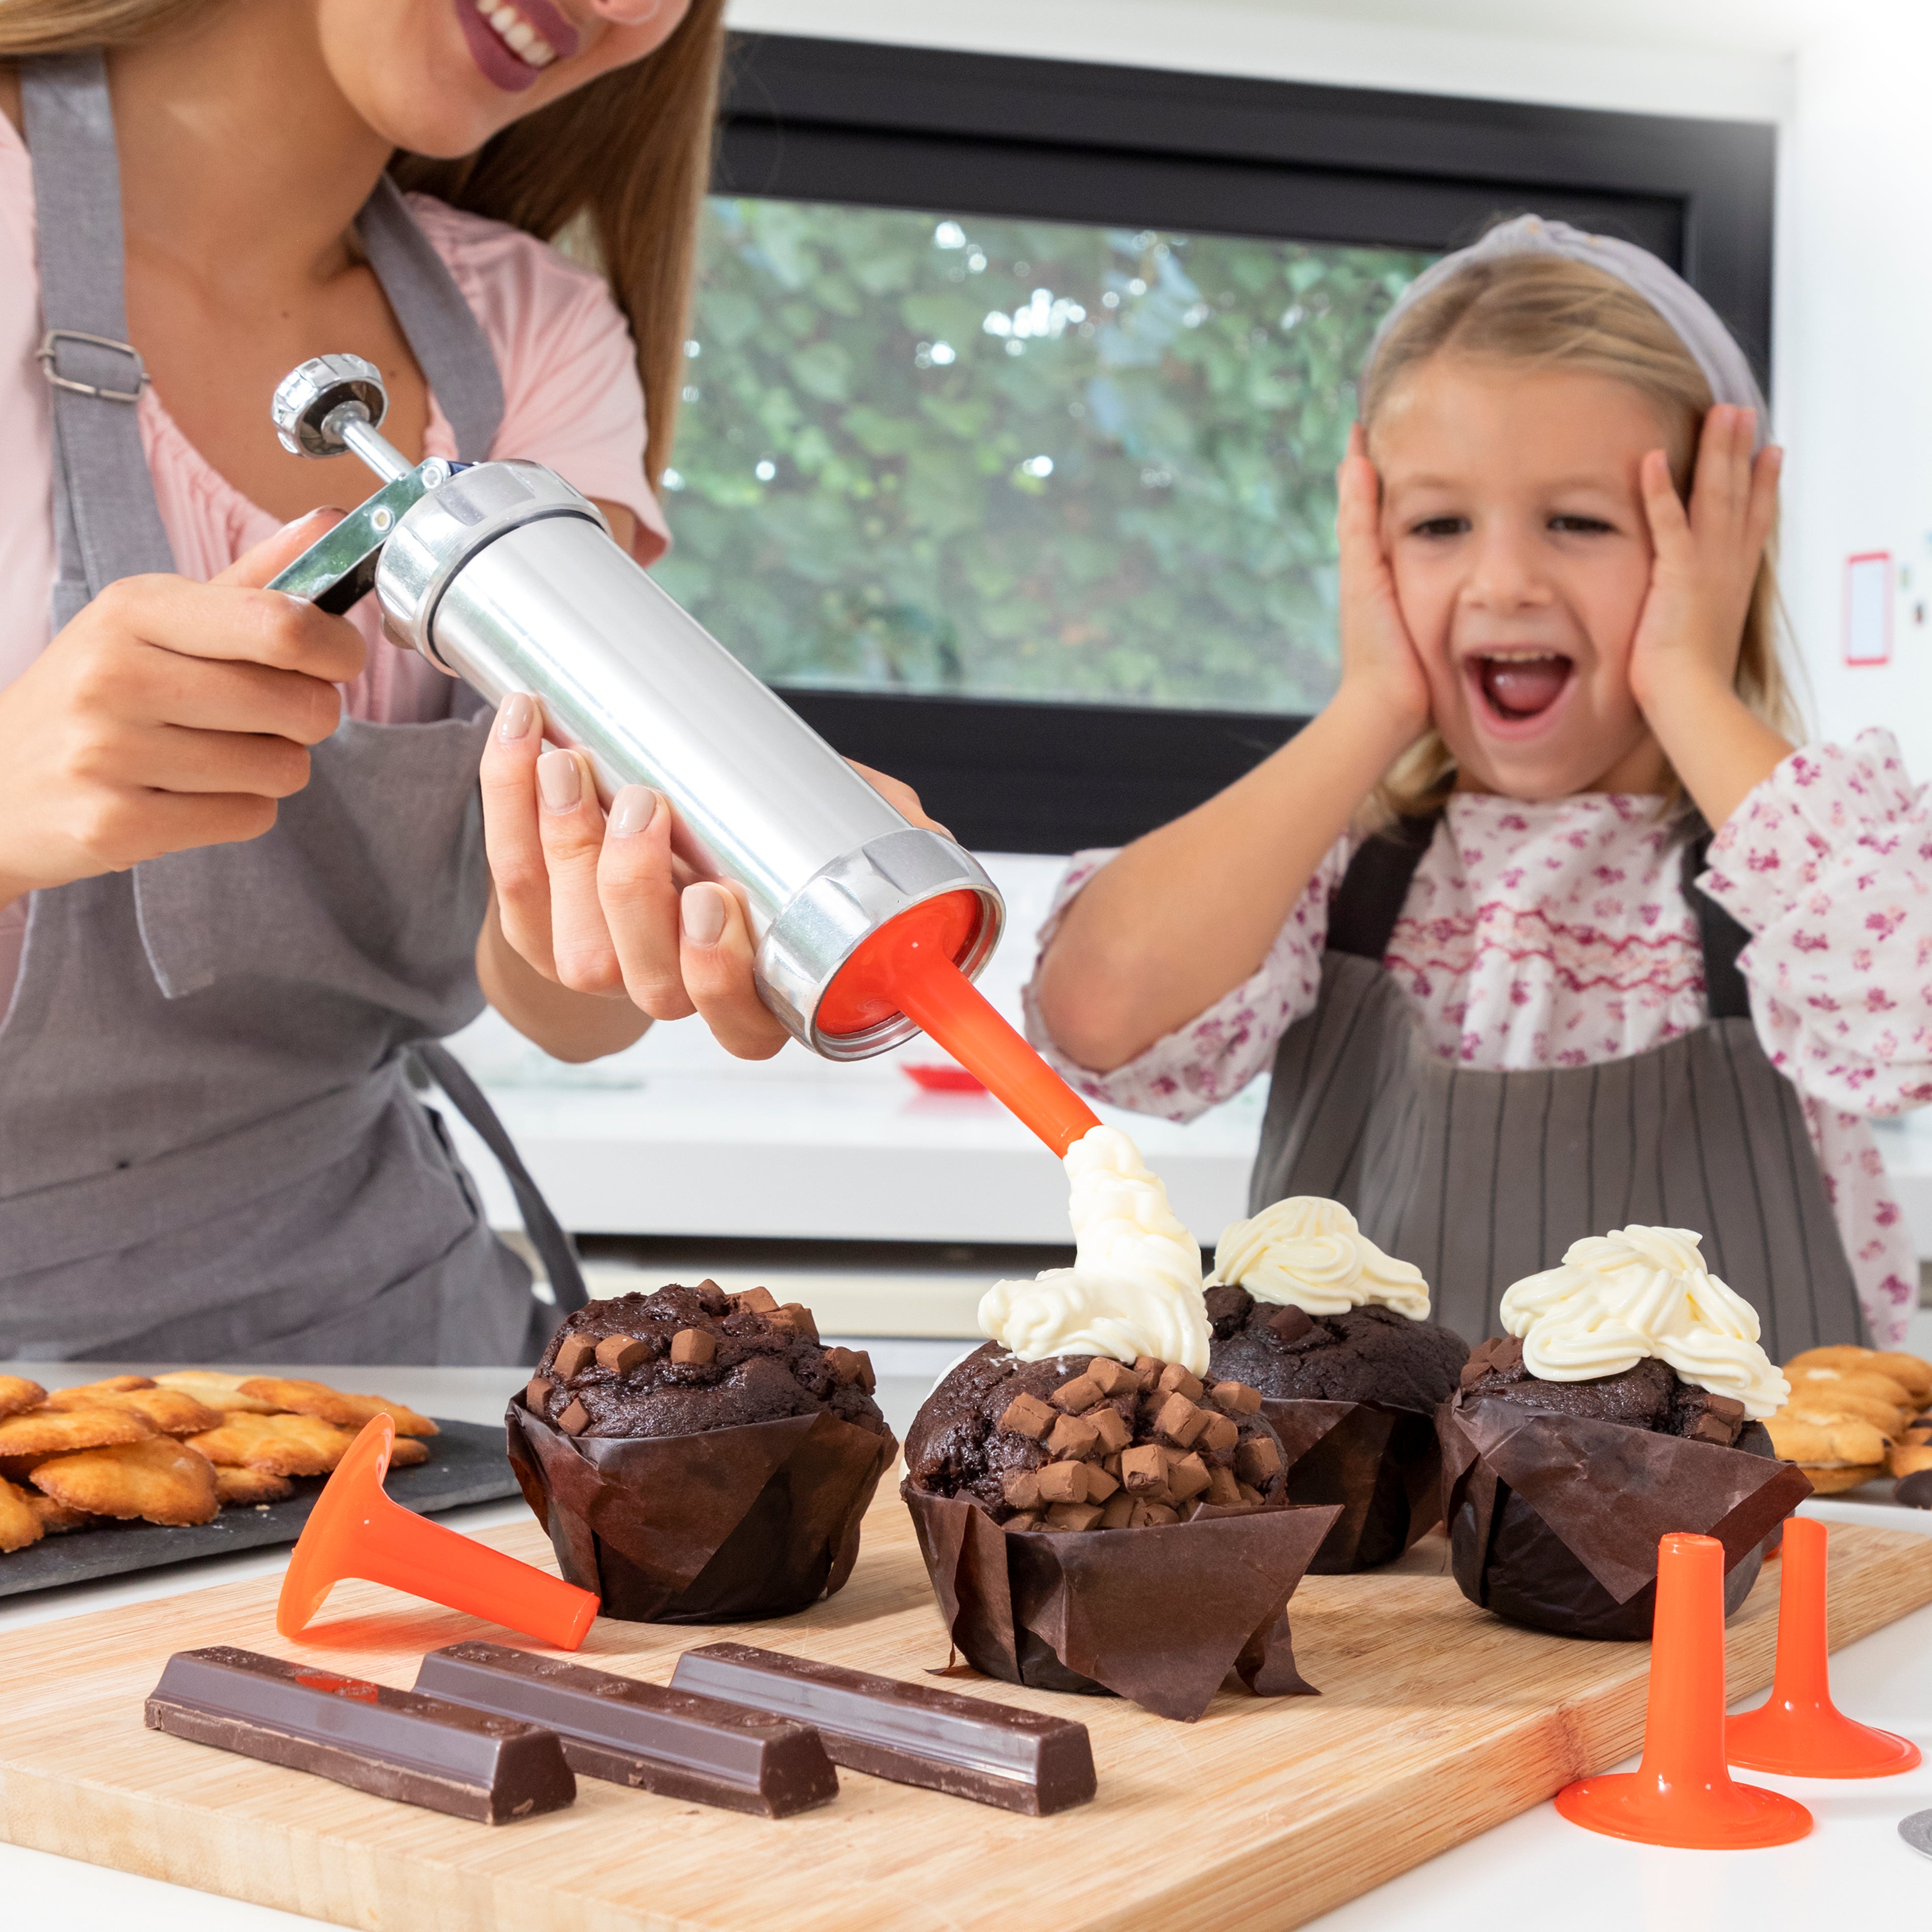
1436, 1722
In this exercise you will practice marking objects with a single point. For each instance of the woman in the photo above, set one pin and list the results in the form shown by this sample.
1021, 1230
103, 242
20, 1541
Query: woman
224, 921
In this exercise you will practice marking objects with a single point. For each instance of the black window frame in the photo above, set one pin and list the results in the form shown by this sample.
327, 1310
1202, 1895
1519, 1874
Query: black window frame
970, 134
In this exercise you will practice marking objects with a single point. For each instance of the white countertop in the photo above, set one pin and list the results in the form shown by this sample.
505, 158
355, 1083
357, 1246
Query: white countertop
1853, 1870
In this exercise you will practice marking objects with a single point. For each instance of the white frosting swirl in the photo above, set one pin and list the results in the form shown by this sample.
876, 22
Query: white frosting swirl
1134, 1286
1309, 1251
1643, 1292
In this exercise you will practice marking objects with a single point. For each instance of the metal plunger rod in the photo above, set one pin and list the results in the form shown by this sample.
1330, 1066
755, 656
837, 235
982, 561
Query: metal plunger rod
349, 422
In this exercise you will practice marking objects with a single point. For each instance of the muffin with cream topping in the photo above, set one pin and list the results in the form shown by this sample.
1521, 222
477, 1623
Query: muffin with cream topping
1336, 1336
1627, 1400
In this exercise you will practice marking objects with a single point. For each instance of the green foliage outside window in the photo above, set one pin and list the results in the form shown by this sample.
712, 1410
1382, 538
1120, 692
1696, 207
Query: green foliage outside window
1019, 458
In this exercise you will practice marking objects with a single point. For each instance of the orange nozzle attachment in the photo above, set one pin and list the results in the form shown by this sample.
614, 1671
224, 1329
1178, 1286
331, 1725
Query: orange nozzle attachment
354, 1530
1800, 1731
1682, 1794
907, 967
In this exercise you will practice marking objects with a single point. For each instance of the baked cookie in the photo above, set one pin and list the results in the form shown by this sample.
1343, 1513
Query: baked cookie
1830, 1401
213, 1390
1832, 1479
345, 1411
53, 1432
280, 1445
56, 1519
172, 1411
1907, 1458
236, 1483
19, 1525
16, 1393
1912, 1374
157, 1480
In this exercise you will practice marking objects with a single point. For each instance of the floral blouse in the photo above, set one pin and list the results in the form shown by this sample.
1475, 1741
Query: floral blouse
1558, 935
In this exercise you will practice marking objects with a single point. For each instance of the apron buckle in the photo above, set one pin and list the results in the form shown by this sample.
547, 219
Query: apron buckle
49, 352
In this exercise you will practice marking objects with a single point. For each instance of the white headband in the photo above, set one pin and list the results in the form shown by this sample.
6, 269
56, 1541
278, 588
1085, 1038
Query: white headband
1712, 346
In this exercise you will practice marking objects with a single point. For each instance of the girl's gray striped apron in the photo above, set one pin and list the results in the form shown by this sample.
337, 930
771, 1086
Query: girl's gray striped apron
1481, 1178
209, 1146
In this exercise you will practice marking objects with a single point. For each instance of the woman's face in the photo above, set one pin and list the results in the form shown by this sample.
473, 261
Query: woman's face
1515, 528
440, 77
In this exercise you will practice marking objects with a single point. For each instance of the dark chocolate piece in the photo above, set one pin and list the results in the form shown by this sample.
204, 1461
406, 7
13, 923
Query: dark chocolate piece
574, 1353
1914, 1491
677, 1743
911, 1733
1288, 1324
394, 1744
621, 1353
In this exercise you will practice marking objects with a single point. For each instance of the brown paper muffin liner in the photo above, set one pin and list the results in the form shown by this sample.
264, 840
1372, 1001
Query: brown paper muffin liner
756, 1520
1382, 1464
1554, 1520
1158, 1615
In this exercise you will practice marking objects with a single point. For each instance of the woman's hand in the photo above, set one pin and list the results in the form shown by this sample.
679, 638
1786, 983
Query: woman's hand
603, 906
1684, 658
1378, 658
168, 715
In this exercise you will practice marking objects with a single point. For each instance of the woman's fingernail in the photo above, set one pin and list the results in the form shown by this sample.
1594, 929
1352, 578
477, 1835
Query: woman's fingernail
518, 714
632, 810
703, 909
558, 780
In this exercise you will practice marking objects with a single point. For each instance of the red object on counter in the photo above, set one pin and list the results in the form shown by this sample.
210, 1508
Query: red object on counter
1682, 1794
354, 1530
1800, 1731
907, 967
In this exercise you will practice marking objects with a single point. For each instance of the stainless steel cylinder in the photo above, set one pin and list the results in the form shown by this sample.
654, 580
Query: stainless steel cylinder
507, 578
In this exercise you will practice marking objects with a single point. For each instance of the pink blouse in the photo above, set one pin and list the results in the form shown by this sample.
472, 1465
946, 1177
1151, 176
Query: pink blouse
571, 400
1558, 935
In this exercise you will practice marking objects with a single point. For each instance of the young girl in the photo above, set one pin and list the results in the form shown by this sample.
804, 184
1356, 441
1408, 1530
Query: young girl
1514, 991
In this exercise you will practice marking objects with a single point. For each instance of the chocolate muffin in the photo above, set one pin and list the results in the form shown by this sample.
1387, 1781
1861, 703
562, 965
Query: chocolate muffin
684, 1360
697, 1456
1084, 1442
1369, 1354
1649, 1395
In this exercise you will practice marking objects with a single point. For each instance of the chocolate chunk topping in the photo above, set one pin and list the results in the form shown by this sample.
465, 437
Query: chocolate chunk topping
574, 1420
1288, 1324
756, 1301
692, 1348
622, 1352
574, 1353
1081, 1392
1072, 1436
1027, 1415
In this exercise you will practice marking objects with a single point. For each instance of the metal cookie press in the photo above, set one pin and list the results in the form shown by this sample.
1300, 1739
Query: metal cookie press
869, 928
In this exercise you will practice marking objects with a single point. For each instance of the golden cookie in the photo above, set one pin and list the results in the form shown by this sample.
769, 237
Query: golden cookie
19, 1525
213, 1390
16, 1393
406, 1451
53, 1432
172, 1411
84, 1395
1803, 1440
1905, 1458
345, 1411
56, 1519
159, 1480
1833, 1479
1828, 1402
1860, 1381
235, 1484
283, 1445
1908, 1371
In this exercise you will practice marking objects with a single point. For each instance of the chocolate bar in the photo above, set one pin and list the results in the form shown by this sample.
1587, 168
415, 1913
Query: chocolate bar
911, 1733
394, 1744
676, 1743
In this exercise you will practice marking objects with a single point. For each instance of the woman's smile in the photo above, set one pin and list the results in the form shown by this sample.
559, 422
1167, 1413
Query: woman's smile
514, 40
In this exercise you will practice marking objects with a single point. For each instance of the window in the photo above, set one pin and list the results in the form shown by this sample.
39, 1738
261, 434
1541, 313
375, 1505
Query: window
1016, 387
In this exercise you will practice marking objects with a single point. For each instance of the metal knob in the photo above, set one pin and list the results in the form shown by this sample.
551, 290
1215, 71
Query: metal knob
330, 406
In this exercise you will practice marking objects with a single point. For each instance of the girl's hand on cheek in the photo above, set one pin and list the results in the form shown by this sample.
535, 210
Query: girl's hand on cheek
1705, 564
1378, 657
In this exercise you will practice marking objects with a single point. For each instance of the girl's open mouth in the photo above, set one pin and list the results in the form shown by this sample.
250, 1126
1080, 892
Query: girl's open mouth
1519, 685
514, 40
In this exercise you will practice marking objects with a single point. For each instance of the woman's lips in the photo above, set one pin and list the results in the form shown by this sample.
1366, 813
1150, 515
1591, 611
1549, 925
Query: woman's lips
1518, 690
512, 41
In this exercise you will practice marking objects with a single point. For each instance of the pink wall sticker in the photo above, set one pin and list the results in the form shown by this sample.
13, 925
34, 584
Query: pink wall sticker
1868, 607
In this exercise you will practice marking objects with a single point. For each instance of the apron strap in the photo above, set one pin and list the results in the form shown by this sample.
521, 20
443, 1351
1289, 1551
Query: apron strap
1368, 902
1725, 990
106, 524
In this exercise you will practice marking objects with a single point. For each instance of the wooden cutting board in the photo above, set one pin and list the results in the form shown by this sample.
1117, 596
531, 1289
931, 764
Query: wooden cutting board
1436, 1722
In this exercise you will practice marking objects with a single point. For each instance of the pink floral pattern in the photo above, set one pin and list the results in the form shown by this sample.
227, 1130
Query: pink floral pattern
1558, 933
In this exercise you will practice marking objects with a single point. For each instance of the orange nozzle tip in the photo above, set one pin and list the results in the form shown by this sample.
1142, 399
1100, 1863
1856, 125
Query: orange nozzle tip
1682, 1794
355, 1530
1799, 1732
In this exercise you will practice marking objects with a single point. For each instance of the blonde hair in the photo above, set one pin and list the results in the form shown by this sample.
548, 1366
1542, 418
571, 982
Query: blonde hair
623, 163
1550, 312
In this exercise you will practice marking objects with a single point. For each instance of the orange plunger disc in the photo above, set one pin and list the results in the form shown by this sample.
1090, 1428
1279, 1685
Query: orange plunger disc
908, 966
354, 1530
1682, 1794
1799, 1731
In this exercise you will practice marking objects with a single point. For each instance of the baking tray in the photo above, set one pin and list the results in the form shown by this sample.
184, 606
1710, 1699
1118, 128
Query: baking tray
467, 1465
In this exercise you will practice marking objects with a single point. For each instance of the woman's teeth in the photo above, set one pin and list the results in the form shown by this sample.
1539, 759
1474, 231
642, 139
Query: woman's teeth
1521, 684
516, 33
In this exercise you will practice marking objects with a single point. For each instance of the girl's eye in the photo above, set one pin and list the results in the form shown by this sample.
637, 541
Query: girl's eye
1579, 526
1441, 526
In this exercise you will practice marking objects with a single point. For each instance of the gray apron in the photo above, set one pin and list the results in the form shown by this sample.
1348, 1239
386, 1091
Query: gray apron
1481, 1178
209, 1149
